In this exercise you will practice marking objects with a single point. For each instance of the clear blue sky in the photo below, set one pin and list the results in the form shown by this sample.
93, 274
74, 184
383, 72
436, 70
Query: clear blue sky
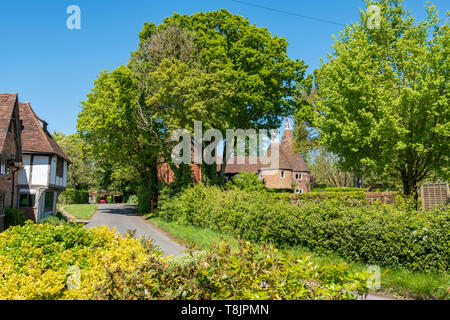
53, 67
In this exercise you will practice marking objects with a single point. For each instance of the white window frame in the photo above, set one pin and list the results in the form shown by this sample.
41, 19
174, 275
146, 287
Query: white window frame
282, 174
298, 176
299, 190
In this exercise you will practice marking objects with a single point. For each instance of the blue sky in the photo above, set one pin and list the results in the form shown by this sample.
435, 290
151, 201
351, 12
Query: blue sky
53, 67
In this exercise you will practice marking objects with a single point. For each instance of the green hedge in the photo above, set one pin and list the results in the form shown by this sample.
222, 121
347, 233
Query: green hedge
338, 189
349, 197
73, 196
14, 217
382, 235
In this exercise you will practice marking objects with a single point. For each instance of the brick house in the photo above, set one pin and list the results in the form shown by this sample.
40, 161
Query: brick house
44, 173
10, 152
290, 173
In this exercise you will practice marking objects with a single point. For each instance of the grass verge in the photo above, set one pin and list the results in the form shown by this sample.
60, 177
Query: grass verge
81, 211
394, 282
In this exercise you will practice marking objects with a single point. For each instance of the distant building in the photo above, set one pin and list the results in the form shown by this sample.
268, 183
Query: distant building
10, 152
291, 173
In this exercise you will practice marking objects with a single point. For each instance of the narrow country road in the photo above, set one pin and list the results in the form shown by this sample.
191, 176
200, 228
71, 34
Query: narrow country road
125, 217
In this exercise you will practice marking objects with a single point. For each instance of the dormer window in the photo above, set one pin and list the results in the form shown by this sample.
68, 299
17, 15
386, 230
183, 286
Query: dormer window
298, 176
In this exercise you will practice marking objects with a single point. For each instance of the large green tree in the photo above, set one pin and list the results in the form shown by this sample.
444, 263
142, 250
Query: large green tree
119, 147
81, 173
383, 94
220, 70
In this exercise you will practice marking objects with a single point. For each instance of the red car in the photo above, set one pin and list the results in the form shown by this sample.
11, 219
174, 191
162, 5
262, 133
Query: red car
102, 200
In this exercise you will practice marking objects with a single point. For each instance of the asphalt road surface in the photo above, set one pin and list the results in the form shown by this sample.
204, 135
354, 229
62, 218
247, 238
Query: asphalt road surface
124, 218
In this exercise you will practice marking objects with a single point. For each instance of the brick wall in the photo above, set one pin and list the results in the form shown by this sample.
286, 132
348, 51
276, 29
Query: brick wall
304, 183
384, 197
273, 179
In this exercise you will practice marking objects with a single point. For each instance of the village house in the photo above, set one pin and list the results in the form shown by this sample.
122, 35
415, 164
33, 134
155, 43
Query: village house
44, 173
291, 172
10, 152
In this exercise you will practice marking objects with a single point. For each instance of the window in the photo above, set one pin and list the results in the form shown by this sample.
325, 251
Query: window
3, 167
59, 167
282, 174
2, 202
48, 201
27, 200
298, 176
299, 190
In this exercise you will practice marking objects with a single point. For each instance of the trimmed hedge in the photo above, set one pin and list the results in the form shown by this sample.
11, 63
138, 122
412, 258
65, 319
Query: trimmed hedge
349, 197
338, 189
381, 234
73, 196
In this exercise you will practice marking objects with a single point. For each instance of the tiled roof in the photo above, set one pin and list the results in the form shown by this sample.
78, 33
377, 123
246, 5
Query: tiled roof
283, 161
295, 159
34, 137
238, 163
7, 101
288, 158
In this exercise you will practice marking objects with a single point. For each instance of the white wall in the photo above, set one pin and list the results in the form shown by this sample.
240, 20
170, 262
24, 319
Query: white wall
53, 170
24, 173
40, 171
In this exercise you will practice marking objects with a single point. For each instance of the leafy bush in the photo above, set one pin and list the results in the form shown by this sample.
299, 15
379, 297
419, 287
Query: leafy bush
223, 274
71, 262
132, 199
246, 181
73, 196
14, 217
349, 198
56, 219
35, 260
379, 234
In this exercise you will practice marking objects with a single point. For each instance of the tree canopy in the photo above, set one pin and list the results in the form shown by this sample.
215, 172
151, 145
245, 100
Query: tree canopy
383, 95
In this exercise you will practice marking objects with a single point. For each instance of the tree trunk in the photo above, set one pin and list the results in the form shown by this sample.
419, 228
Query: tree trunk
410, 187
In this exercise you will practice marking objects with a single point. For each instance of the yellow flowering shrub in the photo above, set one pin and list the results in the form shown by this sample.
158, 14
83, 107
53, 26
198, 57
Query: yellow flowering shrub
35, 259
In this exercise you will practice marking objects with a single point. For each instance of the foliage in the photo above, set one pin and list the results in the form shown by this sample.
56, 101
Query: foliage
132, 199
338, 189
107, 124
73, 196
56, 219
81, 173
216, 68
383, 95
374, 234
224, 274
37, 262
14, 217
35, 259
247, 181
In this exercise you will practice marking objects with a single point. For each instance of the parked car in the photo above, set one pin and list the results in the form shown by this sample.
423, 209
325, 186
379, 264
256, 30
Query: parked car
102, 200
